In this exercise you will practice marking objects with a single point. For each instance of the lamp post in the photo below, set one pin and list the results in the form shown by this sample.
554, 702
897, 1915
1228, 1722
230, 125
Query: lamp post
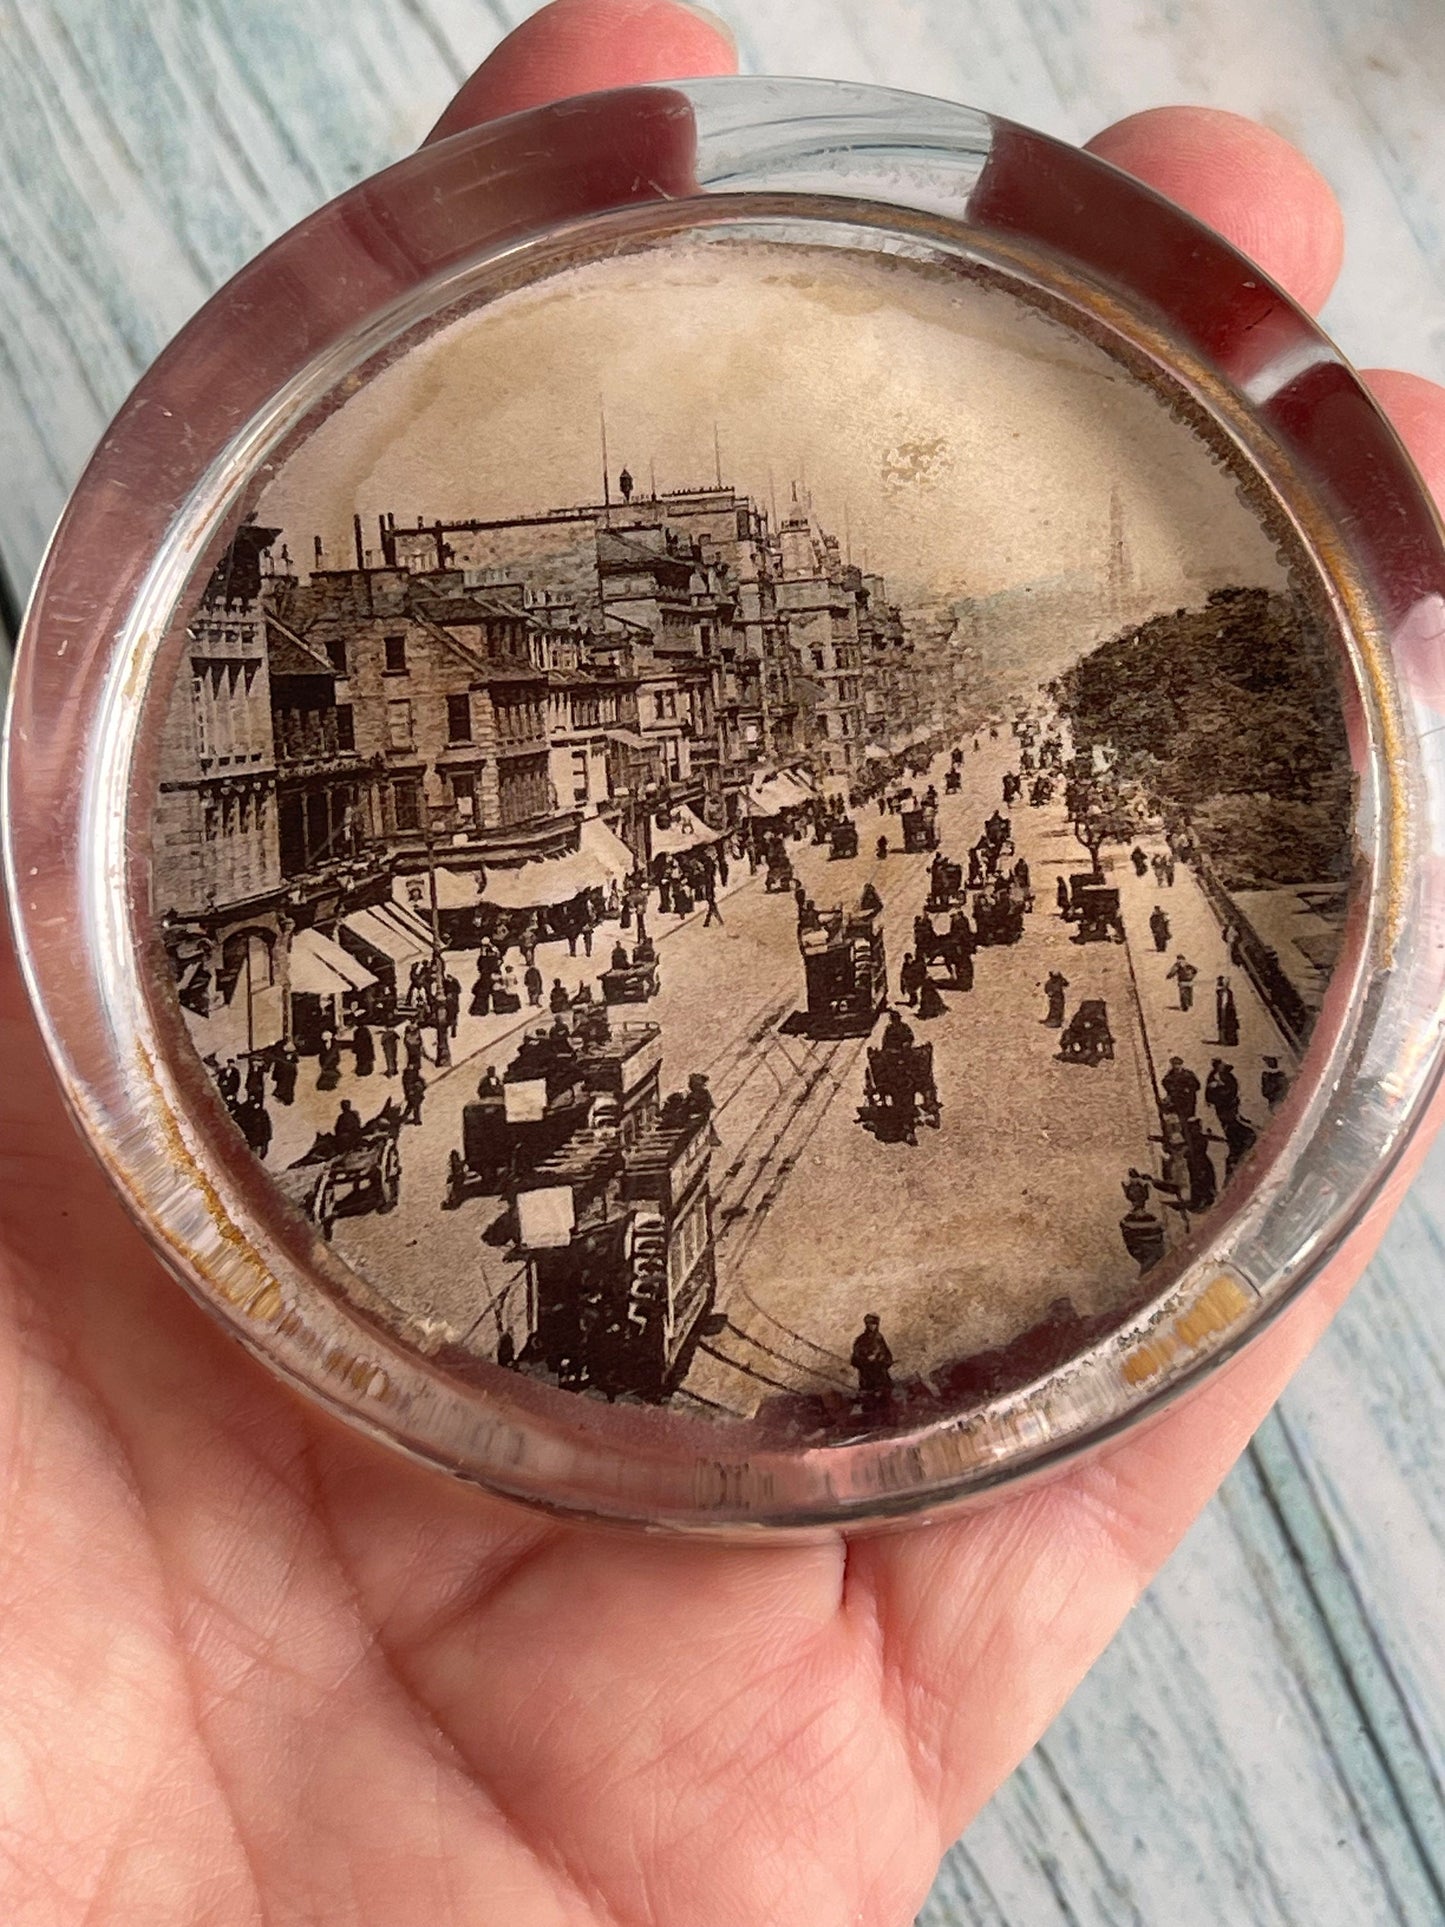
438, 965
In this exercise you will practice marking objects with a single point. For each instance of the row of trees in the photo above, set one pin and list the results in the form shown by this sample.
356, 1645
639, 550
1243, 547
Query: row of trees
1229, 719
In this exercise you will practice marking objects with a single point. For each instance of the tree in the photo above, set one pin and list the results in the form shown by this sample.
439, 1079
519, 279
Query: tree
1097, 817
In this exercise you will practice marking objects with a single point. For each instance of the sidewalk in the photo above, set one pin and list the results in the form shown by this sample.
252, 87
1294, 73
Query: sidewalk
295, 1126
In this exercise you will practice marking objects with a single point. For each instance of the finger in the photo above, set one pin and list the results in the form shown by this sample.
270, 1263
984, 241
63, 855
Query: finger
1245, 181
583, 46
1417, 409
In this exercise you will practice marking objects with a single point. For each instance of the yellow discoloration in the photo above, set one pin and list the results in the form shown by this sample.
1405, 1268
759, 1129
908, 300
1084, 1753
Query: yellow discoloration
1217, 1309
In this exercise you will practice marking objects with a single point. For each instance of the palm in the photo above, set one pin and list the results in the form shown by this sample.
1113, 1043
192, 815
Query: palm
256, 1668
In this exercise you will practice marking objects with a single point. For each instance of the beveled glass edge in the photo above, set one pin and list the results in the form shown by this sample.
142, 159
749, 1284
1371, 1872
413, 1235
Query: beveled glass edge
89, 1062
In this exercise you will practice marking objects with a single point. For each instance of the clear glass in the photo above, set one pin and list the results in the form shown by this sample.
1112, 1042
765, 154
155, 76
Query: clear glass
795, 163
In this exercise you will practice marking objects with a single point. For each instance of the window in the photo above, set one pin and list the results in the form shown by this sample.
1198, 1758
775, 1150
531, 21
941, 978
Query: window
581, 788
395, 655
464, 795
336, 654
459, 719
398, 725
406, 804
820, 661
345, 727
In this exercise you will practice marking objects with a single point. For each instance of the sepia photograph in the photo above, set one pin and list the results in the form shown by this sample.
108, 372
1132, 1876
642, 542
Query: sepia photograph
757, 831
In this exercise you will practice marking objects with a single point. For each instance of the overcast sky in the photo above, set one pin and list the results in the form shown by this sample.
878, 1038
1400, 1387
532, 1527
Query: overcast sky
969, 444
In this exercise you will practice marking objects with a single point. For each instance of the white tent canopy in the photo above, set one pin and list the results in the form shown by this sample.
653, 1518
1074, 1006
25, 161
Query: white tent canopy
686, 831
605, 847
321, 968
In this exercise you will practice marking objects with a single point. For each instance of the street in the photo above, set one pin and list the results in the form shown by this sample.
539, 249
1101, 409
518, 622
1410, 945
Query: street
960, 1242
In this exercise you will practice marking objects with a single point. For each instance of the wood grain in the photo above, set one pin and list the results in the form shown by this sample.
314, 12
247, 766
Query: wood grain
1264, 1744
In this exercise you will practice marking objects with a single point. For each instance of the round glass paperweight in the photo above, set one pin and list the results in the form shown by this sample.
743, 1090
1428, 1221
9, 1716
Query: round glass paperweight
725, 804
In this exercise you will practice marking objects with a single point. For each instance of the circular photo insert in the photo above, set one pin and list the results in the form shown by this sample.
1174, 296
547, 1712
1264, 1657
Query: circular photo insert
759, 831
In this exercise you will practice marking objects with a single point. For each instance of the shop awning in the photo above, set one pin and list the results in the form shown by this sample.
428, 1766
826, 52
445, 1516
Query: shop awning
321, 968
456, 890
686, 831
605, 847
875, 753
801, 781
413, 922
376, 932
540, 885
770, 797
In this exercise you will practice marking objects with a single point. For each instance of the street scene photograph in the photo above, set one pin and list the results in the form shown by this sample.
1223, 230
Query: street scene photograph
756, 832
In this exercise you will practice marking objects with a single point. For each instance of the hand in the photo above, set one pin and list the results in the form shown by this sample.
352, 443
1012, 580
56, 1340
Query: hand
257, 1669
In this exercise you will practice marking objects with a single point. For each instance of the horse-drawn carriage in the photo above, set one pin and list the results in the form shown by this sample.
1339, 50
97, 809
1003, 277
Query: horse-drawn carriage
953, 781
945, 884
1094, 906
843, 836
920, 829
543, 1097
331, 1181
632, 983
846, 972
899, 1092
779, 875
998, 914
950, 949
1086, 1038
621, 1266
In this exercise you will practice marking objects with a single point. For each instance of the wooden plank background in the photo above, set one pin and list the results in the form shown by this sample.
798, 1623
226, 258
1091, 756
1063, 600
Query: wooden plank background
1264, 1744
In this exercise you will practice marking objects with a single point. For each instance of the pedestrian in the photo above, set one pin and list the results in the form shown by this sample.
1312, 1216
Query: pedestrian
1273, 1083
722, 864
881, 849
283, 1074
1139, 861
413, 1090
620, 958
1159, 928
390, 1046
506, 994
1055, 984
664, 890
364, 1045
346, 1132
1203, 1184
328, 1062
411, 1044
557, 998
588, 925
527, 942
1156, 863
910, 973
256, 1079
1221, 1090
1184, 974
1226, 1013
255, 1122
452, 998
228, 1082
1241, 1137
1181, 1088
873, 1362
1061, 889
930, 1003
532, 980
714, 915
1169, 871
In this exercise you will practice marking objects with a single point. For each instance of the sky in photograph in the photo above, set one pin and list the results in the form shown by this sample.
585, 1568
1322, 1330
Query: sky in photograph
964, 444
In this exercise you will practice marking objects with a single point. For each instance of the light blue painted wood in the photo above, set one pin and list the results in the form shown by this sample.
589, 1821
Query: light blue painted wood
1264, 1743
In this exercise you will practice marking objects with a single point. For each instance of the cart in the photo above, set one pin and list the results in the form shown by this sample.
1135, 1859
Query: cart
633, 985
920, 829
531, 1119
1086, 1038
779, 876
1095, 908
327, 1183
899, 1093
843, 836
846, 972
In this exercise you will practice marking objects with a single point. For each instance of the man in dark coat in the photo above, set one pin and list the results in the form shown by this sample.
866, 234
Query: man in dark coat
328, 1063
557, 998
873, 1362
1139, 861
1061, 895
413, 1089
532, 979
1159, 929
1240, 1136
1181, 1088
1184, 974
364, 1045
346, 1131
228, 1081
255, 1122
411, 1044
283, 1075
1203, 1184
1055, 984
1273, 1083
452, 996
390, 1045
256, 1079
1221, 1090
1226, 1013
